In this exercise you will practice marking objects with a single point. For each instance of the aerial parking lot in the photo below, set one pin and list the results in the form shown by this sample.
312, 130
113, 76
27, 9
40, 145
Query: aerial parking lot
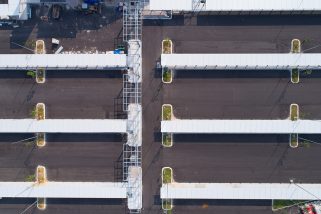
147, 107
228, 94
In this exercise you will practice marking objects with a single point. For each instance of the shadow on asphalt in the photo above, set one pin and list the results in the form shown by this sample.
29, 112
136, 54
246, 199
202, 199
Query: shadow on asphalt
64, 137
260, 20
16, 74
231, 138
199, 74
186, 74
63, 201
199, 202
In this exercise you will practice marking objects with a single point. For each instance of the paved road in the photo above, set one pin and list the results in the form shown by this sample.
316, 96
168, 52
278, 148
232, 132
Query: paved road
252, 35
66, 94
67, 157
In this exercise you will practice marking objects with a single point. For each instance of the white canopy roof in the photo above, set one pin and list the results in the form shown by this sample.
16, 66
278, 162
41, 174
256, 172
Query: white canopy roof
63, 126
285, 191
241, 61
242, 126
237, 5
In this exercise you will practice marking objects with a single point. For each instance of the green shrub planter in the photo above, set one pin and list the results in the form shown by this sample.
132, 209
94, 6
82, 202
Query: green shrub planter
295, 75
41, 75
167, 46
167, 112
167, 204
167, 139
167, 175
167, 75
295, 46
294, 112
294, 140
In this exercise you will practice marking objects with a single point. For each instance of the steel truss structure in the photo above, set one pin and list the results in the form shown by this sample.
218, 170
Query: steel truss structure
132, 154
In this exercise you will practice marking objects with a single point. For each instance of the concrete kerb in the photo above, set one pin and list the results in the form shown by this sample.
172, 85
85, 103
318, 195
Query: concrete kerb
167, 204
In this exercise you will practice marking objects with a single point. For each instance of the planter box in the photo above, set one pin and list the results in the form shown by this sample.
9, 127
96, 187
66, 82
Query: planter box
295, 46
167, 204
41, 203
295, 75
167, 46
167, 75
294, 112
294, 140
41, 139
167, 112
167, 175
41, 175
40, 75
167, 139
40, 47
40, 111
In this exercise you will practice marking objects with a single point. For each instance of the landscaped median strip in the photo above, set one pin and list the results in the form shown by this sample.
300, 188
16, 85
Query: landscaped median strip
167, 48
294, 116
167, 178
167, 114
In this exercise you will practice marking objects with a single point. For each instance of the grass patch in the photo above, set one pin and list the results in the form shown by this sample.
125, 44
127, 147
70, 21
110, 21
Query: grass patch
30, 178
29, 143
31, 74
305, 144
167, 175
278, 204
167, 46
167, 75
33, 113
30, 43
167, 140
295, 75
294, 115
294, 140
